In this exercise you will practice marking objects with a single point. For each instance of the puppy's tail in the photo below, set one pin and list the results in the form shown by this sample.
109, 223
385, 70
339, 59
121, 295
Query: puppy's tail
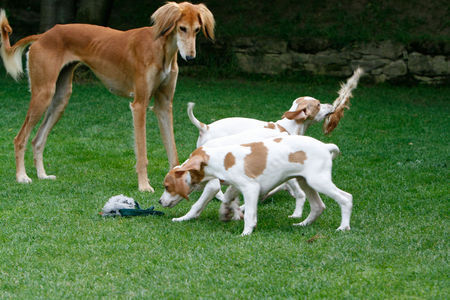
334, 150
201, 126
12, 56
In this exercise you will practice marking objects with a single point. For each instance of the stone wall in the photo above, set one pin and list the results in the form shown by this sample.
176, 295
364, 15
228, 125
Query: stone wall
382, 61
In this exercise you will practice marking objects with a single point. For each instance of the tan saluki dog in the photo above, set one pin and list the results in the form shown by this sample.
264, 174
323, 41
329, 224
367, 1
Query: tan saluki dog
139, 63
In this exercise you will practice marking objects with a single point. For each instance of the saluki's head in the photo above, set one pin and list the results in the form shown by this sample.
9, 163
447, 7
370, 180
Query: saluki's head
184, 20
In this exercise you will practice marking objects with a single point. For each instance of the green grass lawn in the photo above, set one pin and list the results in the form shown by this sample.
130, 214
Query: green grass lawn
395, 157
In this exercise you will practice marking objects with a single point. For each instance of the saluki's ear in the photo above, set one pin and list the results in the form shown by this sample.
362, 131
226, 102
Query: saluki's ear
207, 21
165, 18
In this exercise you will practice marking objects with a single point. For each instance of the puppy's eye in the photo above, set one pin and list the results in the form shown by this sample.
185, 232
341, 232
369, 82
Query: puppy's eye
197, 29
182, 28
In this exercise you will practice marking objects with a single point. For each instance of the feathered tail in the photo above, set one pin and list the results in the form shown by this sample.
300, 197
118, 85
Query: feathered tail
12, 56
342, 101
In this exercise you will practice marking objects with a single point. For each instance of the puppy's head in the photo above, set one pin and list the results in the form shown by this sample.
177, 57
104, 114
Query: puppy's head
177, 185
308, 108
180, 181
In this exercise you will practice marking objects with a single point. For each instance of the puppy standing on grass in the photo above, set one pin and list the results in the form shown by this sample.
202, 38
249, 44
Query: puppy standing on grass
139, 63
256, 168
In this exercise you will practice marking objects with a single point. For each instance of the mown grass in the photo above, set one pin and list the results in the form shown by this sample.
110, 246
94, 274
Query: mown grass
395, 156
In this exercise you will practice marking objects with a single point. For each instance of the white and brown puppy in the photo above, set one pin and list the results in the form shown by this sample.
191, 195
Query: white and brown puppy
256, 168
212, 188
304, 112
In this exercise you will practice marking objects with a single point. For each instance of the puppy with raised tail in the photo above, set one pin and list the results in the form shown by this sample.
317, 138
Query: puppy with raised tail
258, 167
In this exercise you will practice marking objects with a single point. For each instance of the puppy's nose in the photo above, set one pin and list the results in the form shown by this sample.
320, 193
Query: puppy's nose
188, 58
159, 201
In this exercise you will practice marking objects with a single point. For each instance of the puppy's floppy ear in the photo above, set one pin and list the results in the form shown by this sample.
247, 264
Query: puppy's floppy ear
296, 115
195, 163
181, 188
179, 173
207, 21
165, 18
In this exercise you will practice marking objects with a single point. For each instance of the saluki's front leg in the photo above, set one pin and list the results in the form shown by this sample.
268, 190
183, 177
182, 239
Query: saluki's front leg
210, 190
163, 111
139, 109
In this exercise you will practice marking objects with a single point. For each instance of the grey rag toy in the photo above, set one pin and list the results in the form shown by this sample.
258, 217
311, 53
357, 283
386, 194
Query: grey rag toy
121, 205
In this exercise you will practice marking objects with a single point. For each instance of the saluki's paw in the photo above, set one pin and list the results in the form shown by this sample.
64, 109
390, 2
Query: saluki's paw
23, 178
51, 177
343, 228
146, 188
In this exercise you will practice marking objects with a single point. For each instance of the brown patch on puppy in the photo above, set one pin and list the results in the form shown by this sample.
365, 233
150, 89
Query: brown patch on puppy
281, 128
255, 162
277, 140
297, 157
270, 125
229, 160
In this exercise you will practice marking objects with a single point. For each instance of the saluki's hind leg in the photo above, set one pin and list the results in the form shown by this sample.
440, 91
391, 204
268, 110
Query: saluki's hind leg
54, 112
40, 99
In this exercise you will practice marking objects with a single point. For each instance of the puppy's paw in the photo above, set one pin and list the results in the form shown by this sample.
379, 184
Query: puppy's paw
343, 228
225, 212
303, 224
295, 215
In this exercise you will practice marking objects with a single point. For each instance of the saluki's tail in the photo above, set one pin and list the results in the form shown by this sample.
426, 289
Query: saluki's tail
201, 126
334, 150
12, 56
342, 101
